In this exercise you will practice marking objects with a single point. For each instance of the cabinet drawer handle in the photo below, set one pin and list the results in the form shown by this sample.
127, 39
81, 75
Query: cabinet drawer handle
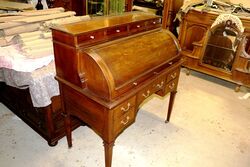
124, 122
173, 75
138, 26
148, 93
172, 86
126, 109
117, 30
135, 83
92, 37
154, 22
160, 85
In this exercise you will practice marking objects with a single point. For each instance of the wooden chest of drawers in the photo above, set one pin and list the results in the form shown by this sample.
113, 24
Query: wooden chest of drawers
107, 66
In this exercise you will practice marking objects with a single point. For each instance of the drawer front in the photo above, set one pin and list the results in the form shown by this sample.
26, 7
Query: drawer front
171, 86
137, 27
156, 86
124, 108
124, 115
173, 75
124, 121
117, 31
144, 94
159, 84
155, 23
91, 37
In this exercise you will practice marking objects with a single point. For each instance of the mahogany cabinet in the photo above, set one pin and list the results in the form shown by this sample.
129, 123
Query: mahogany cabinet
203, 46
83, 7
108, 66
79, 6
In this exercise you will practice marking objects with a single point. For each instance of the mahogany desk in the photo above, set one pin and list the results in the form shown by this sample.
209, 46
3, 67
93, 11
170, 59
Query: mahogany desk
107, 66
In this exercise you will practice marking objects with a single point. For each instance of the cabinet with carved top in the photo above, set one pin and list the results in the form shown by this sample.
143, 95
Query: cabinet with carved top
218, 48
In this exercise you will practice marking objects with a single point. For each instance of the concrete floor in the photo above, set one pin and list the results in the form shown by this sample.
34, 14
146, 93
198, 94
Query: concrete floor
210, 127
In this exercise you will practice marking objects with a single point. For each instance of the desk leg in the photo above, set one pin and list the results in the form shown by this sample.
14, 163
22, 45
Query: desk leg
108, 147
170, 106
67, 123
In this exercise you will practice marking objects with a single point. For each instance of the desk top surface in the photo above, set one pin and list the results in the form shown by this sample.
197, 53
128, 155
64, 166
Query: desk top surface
101, 22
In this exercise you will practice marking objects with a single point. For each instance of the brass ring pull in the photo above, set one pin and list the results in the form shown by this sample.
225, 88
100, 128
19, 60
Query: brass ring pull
124, 122
172, 86
126, 109
148, 93
173, 75
160, 85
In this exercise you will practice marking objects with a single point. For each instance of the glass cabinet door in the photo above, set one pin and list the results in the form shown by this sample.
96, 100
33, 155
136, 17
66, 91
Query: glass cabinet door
105, 7
95, 7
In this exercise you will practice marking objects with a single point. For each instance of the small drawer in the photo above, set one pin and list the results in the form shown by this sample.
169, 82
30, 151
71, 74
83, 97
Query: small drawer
91, 37
159, 84
137, 27
124, 108
145, 93
154, 23
124, 121
173, 74
171, 86
117, 31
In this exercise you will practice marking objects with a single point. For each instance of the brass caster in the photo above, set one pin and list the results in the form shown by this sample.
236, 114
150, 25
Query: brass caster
237, 88
53, 144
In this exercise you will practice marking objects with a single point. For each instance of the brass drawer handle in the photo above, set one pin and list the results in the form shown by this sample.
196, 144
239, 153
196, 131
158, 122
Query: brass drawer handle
173, 75
138, 26
135, 83
126, 109
92, 37
117, 30
172, 86
124, 122
148, 93
160, 85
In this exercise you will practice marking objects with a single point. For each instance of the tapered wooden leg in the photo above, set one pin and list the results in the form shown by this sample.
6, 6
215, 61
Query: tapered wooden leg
170, 106
67, 123
108, 147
